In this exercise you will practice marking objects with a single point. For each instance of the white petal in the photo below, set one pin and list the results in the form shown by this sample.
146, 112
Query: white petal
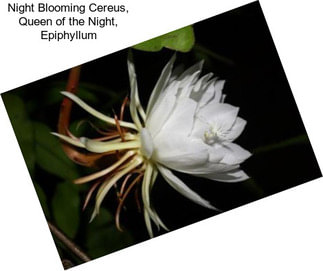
147, 144
162, 109
190, 71
219, 84
182, 117
208, 93
233, 176
216, 153
161, 84
235, 154
199, 87
182, 188
173, 146
180, 153
208, 167
236, 129
187, 84
200, 125
222, 159
221, 115
213, 92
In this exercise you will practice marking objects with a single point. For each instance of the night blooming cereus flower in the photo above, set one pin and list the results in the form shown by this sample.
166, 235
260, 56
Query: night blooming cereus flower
186, 127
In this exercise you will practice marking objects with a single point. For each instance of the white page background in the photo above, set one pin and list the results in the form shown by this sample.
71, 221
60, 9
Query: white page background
281, 232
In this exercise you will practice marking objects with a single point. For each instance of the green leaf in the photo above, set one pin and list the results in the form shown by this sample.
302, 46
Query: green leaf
50, 155
22, 127
102, 236
66, 208
181, 40
42, 198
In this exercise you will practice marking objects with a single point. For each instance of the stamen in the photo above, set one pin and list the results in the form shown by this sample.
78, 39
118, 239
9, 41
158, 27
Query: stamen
68, 132
100, 131
119, 128
123, 186
137, 199
121, 203
104, 138
125, 101
89, 194
108, 184
210, 136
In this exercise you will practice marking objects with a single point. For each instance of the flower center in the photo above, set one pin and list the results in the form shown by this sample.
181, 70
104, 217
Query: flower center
210, 136
147, 144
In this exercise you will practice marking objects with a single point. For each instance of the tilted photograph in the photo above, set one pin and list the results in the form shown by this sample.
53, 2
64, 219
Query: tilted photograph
160, 135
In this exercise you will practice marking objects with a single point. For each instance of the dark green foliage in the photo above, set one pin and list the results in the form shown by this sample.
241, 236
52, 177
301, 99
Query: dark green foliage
181, 40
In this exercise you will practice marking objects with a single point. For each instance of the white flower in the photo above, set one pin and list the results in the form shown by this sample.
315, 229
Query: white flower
186, 127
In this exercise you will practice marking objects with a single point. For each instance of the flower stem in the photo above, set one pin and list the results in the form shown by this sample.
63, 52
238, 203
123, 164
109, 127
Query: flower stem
301, 139
68, 243
200, 48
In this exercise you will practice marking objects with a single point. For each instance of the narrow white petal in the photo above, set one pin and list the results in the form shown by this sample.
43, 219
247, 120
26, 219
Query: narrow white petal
135, 105
187, 84
161, 84
96, 113
148, 223
70, 140
207, 93
223, 98
182, 188
106, 170
199, 87
101, 147
146, 190
219, 84
213, 92
192, 70
109, 183
152, 182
